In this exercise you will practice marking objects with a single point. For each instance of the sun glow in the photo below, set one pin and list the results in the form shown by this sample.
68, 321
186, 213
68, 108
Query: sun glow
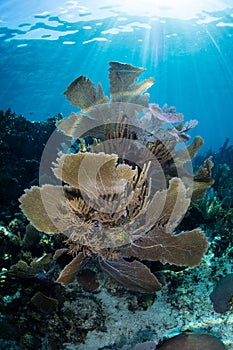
71, 10
182, 9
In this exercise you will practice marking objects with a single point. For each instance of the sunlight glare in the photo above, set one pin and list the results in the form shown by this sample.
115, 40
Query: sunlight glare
182, 9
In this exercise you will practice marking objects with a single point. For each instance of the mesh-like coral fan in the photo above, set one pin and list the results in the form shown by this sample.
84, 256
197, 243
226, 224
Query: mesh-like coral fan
124, 197
98, 207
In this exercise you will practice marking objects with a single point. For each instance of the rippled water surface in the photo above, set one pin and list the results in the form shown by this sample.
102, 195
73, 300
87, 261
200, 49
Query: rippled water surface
185, 45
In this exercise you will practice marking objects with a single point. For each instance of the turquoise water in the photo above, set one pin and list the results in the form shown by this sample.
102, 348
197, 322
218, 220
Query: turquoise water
114, 301
185, 45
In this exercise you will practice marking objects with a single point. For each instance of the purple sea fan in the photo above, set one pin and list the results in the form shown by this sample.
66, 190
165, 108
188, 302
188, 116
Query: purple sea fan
166, 114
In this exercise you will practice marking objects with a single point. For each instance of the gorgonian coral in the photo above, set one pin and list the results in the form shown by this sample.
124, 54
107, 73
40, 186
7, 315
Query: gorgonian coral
123, 197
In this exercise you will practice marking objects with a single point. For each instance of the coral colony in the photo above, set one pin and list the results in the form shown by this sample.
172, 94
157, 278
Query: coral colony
120, 198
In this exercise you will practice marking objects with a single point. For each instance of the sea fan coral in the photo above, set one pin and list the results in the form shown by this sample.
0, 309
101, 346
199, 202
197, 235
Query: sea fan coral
123, 198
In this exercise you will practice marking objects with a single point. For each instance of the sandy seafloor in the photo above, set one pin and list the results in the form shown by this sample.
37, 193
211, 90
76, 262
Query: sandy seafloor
187, 308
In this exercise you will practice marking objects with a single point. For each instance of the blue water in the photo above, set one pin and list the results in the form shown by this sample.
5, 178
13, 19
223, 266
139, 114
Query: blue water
187, 46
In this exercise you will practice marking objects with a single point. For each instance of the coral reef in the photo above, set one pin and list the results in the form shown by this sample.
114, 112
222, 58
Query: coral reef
20, 164
94, 311
193, 341
108, 203
222, 294
215, 210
